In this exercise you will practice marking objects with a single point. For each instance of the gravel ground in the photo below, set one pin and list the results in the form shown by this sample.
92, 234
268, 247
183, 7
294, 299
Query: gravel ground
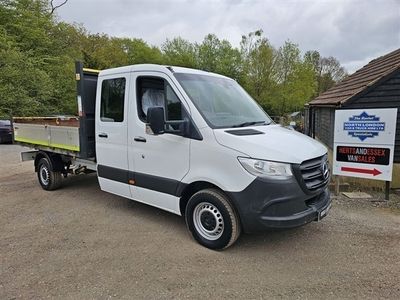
81, 243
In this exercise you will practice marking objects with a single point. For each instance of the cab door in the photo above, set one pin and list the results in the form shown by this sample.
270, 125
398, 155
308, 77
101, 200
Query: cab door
111, 133
157, 162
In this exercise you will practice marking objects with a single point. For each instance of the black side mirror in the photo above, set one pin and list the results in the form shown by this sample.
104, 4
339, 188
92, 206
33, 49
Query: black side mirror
156, 119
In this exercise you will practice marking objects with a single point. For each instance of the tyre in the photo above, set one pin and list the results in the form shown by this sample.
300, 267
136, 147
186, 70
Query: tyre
48, 179
212, 220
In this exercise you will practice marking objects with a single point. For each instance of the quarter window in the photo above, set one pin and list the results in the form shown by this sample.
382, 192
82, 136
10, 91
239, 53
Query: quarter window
173, 105
112, 100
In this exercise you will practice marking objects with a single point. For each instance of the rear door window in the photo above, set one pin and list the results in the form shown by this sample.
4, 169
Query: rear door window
112, 100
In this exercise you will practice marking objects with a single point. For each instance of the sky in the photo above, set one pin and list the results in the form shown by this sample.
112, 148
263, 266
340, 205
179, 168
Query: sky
353, 31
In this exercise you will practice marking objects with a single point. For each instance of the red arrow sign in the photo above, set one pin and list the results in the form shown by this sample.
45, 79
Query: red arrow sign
360, 170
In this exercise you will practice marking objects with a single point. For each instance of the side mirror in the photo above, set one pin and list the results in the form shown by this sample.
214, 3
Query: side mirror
156, 119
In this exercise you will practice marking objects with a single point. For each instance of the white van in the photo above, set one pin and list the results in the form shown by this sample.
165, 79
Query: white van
190, 142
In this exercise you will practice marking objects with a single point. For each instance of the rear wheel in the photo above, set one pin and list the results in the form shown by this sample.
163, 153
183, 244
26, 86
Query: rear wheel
212, 220
48, 179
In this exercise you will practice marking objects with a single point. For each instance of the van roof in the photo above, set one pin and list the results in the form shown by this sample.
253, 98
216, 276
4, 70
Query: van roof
156, 68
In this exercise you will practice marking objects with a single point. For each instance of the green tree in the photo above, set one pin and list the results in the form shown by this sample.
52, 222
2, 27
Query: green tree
327, 70
179, 52
139, 52
219, 56
37, 54
208, 53
297, 89
259, 72
30, 55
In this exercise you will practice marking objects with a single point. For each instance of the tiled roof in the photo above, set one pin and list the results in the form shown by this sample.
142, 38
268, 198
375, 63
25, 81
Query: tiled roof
360, 80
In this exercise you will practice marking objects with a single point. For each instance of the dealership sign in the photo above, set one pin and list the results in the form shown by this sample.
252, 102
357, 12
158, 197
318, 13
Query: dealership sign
364, 143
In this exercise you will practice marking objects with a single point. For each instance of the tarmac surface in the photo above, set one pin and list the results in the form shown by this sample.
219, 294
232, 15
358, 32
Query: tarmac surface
81, 243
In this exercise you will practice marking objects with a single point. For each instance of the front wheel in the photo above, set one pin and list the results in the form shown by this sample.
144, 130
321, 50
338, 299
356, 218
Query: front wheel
48, 179
212, 220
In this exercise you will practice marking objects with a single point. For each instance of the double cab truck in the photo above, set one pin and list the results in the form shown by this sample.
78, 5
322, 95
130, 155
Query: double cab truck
186, 141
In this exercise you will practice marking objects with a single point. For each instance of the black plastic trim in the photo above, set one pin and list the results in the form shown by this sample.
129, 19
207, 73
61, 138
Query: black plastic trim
115, 174
156, 183
298, 173
268, 203
244, 132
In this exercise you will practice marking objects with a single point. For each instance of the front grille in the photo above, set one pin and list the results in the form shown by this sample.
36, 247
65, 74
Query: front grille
315, 172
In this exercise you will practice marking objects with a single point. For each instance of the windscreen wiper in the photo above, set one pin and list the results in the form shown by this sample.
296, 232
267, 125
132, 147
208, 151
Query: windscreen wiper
244, 124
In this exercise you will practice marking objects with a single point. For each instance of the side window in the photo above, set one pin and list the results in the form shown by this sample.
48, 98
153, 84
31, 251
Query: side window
153, 91
112, 100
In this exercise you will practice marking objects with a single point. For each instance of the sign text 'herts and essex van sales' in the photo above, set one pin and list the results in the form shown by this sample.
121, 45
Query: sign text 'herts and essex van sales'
364, 143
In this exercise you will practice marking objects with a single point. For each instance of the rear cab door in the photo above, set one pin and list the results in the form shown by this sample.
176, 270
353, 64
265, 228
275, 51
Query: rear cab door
111, 133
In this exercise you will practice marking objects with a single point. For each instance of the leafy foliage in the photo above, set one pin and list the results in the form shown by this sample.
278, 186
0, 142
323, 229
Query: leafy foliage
37, 54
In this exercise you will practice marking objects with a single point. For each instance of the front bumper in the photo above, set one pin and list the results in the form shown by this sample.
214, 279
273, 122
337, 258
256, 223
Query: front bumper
279, 204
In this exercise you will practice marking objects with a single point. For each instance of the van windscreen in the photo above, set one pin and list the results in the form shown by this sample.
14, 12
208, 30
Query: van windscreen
222, 102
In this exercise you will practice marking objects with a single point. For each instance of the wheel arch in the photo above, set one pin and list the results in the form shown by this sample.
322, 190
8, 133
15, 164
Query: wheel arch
55, 161
206, 195
196, 186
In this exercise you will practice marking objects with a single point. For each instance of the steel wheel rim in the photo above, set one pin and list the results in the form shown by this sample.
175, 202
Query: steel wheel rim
44, 174
208, 221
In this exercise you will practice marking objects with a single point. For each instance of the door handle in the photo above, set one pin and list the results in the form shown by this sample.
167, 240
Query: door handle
139, 139
103, 135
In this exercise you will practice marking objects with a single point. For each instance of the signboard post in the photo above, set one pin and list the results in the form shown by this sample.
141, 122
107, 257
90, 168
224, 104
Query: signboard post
364, 143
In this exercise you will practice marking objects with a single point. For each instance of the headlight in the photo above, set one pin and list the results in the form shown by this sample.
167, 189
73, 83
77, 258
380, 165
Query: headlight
265, 168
